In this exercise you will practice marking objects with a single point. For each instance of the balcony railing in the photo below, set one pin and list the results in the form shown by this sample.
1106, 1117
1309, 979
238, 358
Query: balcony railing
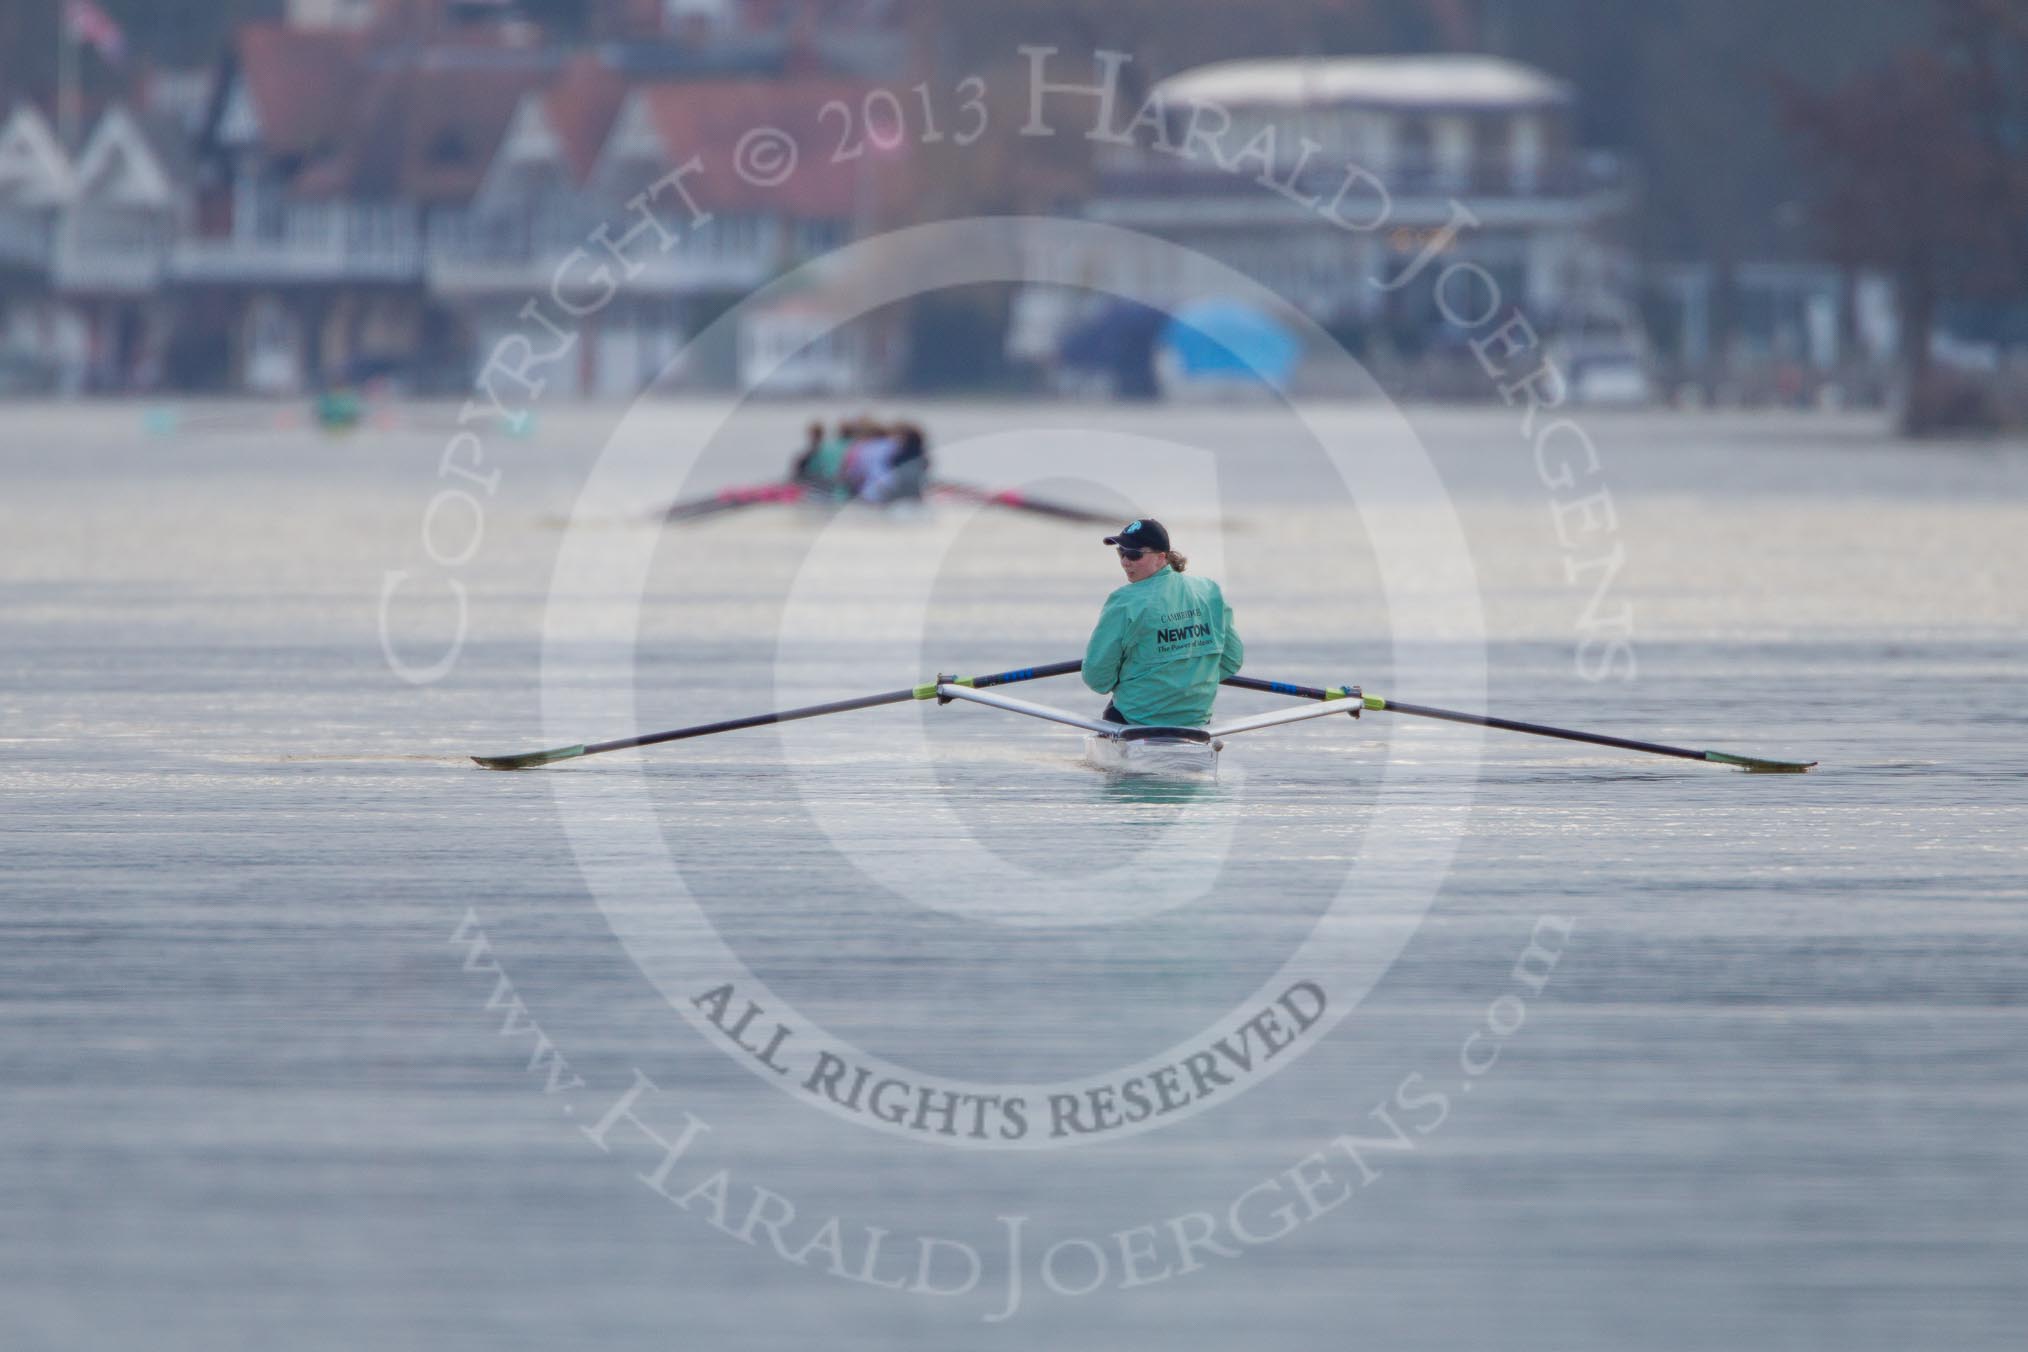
455, 250
109, 250
482, 251
1486, 176
310, 242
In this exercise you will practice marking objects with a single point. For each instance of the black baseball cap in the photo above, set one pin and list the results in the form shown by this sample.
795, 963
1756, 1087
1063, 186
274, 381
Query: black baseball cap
1144, 534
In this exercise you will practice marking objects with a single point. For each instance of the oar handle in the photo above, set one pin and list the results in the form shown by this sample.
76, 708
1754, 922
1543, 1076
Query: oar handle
1299, 691
928, 690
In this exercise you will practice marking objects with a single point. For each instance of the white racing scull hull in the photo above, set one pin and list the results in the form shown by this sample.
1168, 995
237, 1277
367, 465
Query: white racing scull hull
1164, 757
1133, 749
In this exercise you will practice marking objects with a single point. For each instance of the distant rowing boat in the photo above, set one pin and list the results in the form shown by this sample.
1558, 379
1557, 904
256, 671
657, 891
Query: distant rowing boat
789, 491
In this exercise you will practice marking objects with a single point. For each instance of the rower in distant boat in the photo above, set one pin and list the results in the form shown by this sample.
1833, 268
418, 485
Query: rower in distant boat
801, 469
874, 464
893, 469
821, 466
1164, 640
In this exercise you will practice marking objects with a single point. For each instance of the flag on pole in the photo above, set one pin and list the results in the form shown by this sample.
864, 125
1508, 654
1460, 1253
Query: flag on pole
91, 25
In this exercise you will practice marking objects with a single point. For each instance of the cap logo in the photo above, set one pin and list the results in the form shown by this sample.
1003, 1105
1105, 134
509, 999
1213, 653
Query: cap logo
1132, 526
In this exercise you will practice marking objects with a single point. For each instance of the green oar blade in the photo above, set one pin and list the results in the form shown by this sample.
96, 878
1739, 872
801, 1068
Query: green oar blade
1755, 766
528, 760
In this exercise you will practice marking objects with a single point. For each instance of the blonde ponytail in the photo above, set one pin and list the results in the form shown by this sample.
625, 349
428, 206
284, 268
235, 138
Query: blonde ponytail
1176, 561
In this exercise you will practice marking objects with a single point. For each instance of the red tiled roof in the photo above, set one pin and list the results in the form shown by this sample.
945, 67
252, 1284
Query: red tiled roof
424, 134
304, 84
709, 117
581, 106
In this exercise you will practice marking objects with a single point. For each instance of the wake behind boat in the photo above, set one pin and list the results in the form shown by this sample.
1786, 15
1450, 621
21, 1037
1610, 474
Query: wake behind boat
1154, 753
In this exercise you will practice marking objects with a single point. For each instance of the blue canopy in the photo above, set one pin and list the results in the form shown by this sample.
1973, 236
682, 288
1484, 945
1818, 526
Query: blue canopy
1223, 339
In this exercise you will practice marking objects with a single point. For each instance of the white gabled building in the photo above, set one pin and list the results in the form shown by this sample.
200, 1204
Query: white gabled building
36, 185
124, 212
35, 173
39, 342
132, 200
1435, 132
83, 239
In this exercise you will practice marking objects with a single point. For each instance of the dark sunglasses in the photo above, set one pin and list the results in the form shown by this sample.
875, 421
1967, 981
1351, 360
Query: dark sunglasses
1131, 555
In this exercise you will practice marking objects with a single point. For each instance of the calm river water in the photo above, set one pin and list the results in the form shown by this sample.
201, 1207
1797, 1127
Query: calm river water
901, 1029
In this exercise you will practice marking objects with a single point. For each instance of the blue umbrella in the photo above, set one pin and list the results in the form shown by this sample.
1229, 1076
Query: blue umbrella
1224, 339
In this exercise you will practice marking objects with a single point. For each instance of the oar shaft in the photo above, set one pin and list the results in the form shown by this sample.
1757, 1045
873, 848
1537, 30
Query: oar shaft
1538, 729
753, 721
1022, 674
1477, 720
727, 499
833, 707
1281, 688
1020, 502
